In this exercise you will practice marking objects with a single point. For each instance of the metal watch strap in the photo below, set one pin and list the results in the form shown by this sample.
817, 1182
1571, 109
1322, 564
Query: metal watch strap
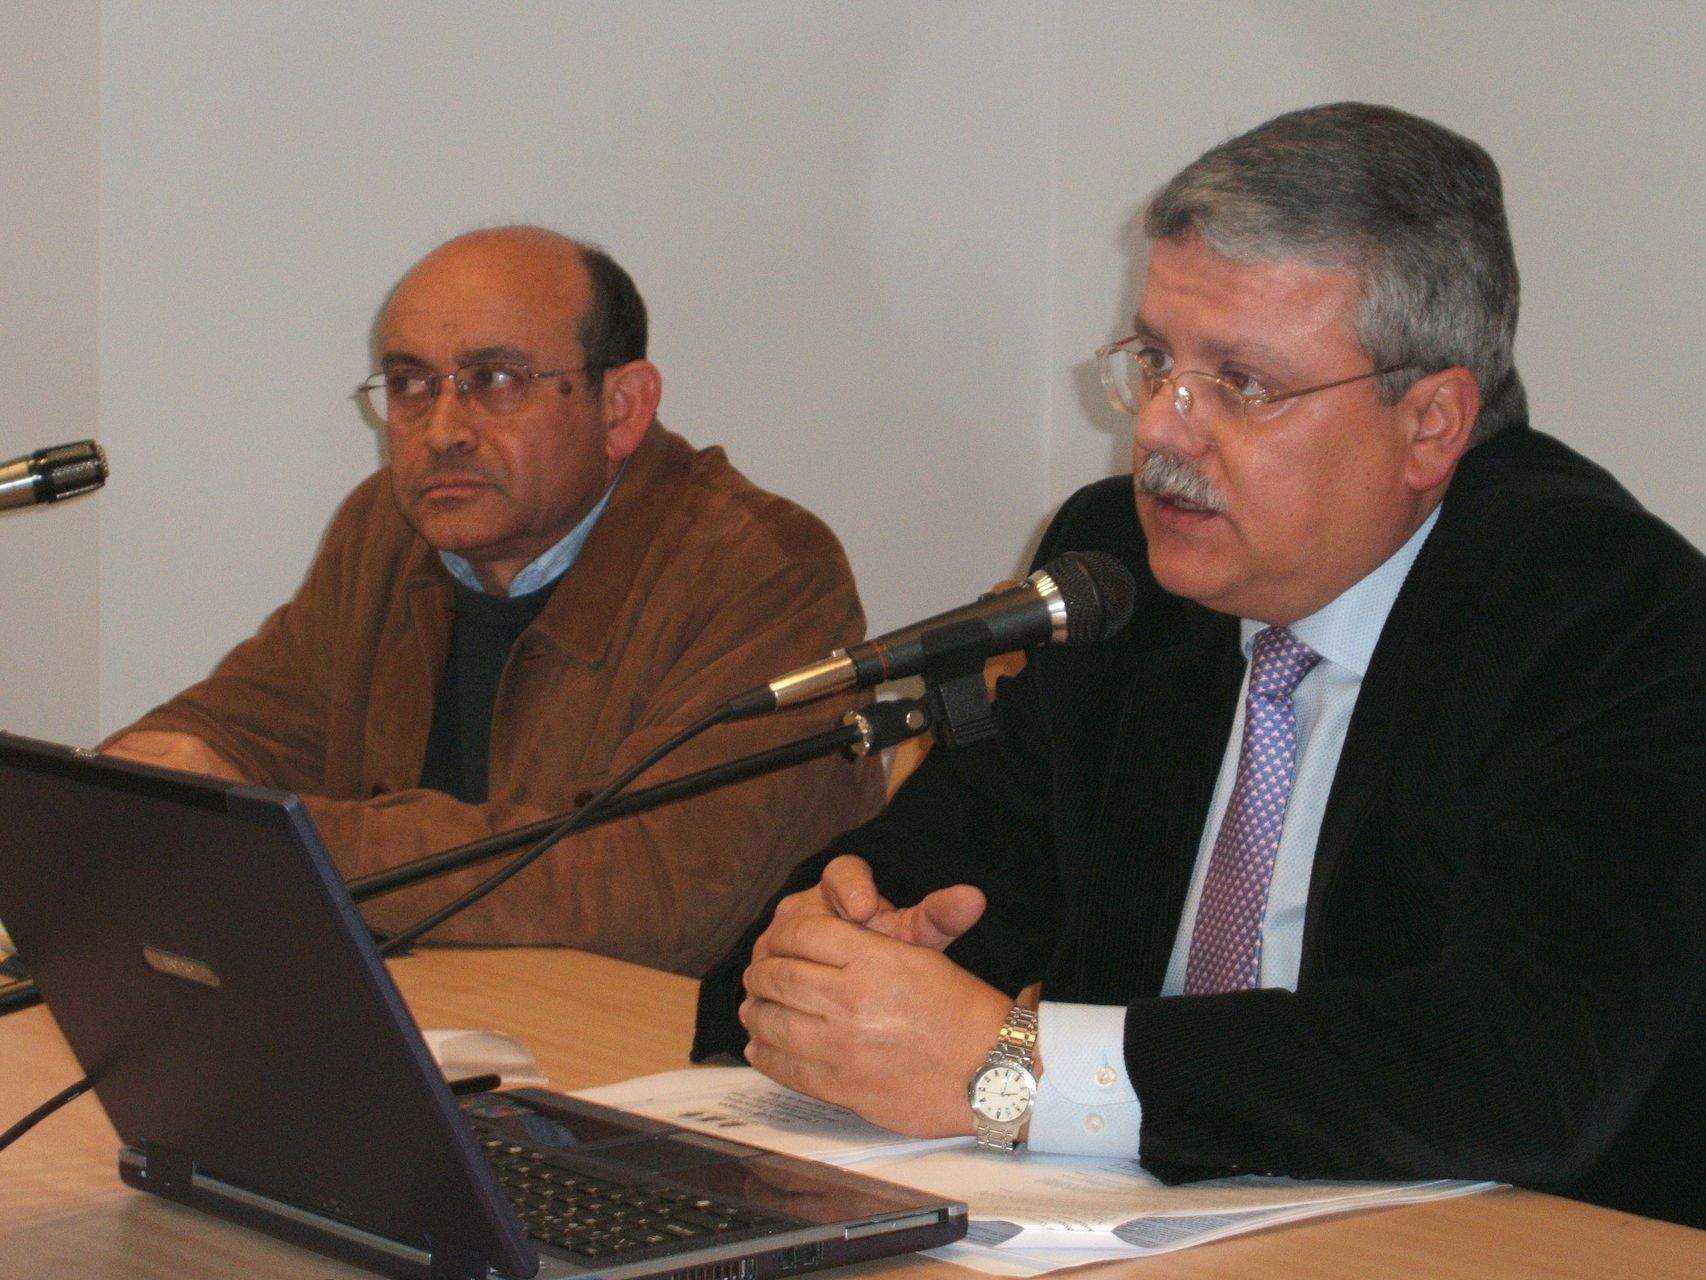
1015, 1045
1018, 1036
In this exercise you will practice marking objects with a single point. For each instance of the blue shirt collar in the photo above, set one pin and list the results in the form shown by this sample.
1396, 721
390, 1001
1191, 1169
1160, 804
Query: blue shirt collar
1346, 630
548, 567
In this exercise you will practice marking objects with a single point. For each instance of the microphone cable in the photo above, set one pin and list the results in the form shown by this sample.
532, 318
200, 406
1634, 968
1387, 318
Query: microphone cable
20, 994
44, 1111
398, 941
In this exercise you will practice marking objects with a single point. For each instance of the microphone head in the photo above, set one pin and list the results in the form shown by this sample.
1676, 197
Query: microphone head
69, 469
1098, 592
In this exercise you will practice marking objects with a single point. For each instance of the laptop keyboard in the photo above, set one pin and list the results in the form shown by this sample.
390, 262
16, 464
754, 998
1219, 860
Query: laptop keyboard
598, 1218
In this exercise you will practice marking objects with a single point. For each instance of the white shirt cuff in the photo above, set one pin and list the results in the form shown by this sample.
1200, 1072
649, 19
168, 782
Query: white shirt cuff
1085, 1104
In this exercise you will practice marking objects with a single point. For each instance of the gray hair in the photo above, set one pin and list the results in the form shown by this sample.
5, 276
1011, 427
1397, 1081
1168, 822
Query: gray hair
1413, 209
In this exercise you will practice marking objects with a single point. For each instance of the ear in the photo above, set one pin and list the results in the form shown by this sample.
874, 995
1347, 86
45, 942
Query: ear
1440, 411
630, 395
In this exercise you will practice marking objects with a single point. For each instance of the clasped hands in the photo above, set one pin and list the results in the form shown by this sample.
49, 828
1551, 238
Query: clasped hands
851, 1000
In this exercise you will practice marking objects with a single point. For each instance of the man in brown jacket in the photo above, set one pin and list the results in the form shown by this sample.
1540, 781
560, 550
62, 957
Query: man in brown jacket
541, 586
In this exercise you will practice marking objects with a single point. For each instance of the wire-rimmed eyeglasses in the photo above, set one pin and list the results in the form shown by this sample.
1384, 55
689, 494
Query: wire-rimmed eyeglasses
495, 387
1133, 376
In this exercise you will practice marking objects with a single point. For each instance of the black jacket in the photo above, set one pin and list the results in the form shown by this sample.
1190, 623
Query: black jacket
1504, 952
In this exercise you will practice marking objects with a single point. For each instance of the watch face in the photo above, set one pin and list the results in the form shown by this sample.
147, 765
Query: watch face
1002, 1093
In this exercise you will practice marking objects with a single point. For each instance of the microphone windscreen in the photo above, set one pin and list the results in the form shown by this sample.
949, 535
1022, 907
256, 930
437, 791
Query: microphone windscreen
1098, 592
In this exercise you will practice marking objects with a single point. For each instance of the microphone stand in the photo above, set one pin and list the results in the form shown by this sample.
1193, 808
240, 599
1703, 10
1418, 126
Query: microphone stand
871, 728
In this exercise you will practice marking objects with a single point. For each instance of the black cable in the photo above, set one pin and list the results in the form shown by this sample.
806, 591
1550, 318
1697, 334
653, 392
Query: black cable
398, 941
43, 1112
18, 995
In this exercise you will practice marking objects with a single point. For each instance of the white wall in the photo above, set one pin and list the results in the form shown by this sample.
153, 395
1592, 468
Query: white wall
49, 274
878, 239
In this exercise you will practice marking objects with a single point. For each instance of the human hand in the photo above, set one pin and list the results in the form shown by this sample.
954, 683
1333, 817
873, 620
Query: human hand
890, 1029
169, 750
848, 892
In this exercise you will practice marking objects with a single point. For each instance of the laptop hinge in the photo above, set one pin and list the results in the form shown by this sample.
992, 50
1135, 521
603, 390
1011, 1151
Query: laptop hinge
453, 1262
166, 1172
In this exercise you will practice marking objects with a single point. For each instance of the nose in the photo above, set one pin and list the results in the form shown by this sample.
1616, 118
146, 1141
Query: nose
1171, 422
447, 426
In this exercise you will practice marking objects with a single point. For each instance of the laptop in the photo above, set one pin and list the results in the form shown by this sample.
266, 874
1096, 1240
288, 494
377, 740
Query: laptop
215, 981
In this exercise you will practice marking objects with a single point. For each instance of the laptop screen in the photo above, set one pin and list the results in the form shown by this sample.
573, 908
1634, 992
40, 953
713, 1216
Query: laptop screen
216, 983
218, 987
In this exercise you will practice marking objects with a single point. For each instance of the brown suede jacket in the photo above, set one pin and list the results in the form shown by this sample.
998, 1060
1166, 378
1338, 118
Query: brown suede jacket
694, 586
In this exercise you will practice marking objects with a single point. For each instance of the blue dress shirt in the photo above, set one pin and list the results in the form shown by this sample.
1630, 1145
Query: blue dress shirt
545, 569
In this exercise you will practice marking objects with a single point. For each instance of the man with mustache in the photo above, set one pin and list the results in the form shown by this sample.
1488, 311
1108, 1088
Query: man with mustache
1375, 846
542, 585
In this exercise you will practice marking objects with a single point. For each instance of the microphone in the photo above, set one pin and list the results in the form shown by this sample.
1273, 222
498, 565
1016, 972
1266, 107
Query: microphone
52, 475
1076, 598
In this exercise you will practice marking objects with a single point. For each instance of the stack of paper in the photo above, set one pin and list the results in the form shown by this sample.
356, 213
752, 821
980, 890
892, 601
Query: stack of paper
1030, 1212
741, 1104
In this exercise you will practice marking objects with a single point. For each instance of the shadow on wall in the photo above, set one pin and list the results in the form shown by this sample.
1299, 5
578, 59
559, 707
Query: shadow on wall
1087, 390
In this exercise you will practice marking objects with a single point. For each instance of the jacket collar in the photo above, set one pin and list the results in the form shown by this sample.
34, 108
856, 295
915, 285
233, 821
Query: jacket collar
581, 615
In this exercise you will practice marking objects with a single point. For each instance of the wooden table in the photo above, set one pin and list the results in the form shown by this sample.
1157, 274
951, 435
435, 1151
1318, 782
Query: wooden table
588, 1020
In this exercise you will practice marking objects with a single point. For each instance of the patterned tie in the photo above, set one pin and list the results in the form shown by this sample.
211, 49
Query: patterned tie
1226, 941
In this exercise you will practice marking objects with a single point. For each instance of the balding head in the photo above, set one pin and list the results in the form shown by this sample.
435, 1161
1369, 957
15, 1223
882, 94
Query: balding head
498, 479
609, 321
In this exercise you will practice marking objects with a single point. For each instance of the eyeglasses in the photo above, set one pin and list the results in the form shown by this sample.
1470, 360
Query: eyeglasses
496, 388
1133, 377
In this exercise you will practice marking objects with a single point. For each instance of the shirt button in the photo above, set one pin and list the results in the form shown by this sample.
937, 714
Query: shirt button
1093, 1123
1105, 1076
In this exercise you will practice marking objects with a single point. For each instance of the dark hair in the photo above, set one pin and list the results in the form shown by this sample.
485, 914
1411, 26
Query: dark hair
1413, 209
613, 330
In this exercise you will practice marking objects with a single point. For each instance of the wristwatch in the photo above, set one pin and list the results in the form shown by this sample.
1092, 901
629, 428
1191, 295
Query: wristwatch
1001, 1090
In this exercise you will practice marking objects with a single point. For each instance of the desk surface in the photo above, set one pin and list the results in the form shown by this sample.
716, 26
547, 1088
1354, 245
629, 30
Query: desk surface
592, 1021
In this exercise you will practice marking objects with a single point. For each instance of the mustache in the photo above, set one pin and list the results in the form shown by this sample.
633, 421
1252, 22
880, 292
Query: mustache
1165, 475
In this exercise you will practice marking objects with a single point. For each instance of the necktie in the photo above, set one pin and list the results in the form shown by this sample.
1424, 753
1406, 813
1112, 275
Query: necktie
1226, 940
